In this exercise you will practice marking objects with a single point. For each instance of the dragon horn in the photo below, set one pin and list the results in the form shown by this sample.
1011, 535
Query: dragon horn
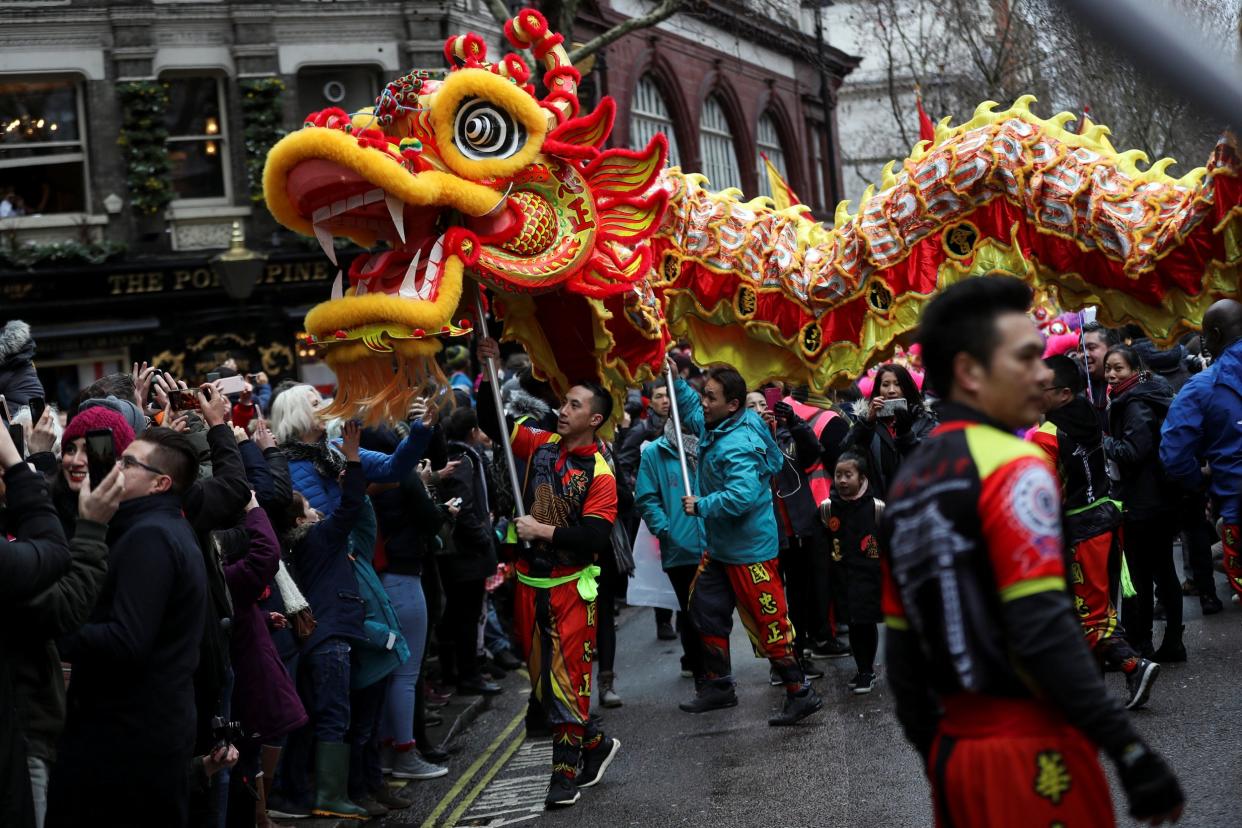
529, 30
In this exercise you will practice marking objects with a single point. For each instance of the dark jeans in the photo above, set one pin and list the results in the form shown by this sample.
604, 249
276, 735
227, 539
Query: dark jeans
459, 631
681, 577
323, 684
1198, 535
367, 706
1149, 557
806, 606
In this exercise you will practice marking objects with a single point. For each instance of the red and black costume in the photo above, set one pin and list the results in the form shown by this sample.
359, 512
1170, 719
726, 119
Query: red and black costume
1074, 444
993, 683
555, 611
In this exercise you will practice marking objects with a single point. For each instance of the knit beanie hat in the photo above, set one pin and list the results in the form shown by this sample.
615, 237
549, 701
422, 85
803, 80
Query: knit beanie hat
456, 358
126, 408
89, 419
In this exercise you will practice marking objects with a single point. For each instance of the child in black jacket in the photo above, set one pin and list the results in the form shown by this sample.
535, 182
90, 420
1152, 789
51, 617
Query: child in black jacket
852, 516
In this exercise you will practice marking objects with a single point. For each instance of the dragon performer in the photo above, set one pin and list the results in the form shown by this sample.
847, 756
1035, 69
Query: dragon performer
598, 257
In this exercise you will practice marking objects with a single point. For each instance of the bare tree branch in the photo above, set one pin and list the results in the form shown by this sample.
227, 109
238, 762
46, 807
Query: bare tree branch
660, 13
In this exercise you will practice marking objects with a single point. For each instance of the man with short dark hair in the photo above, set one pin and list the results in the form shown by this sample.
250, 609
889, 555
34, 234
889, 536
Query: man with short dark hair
1096, 340
571, 501
737, 460
1072, 440
993, 684
132, 694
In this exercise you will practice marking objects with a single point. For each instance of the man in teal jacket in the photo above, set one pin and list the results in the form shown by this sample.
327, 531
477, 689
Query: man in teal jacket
737, 460
657, 497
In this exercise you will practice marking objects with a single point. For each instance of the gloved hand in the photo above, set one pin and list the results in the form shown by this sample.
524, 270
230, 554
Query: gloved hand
1151, 786
785, 413
902, 421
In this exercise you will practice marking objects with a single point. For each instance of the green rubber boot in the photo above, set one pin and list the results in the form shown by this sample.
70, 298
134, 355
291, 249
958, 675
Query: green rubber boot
332, 783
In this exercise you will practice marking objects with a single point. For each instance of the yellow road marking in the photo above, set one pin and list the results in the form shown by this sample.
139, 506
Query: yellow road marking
486, 778
461, 783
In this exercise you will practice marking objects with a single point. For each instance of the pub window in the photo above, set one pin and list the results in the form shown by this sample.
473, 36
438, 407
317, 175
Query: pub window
716, 146
42, 146
769, 144
197, 143
349, 87
817, 163
649, 116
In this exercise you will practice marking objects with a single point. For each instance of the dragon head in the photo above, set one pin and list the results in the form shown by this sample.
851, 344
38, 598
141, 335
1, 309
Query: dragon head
471, 174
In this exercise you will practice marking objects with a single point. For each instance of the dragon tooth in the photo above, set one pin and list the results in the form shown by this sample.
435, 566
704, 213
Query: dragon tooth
338, 285
325, 241
396, 209
409, 285
375, 195
361, 289
321, 214
339, 206
432, 271
355, 202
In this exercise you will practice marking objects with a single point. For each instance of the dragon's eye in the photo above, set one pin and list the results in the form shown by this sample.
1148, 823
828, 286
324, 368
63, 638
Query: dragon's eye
483, 130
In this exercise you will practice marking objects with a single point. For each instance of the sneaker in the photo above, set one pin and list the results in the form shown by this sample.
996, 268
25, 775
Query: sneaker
435, 754
595, 762
686, 672
665, 631
411, 765
1210, 604
833, 648
797, 707
811, 671
370, 804
562, 792
1139, 682
711, 696
278, 807
437, 697
774, 678
862, 684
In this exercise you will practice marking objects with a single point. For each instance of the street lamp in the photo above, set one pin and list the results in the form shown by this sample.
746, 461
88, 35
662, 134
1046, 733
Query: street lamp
239, 267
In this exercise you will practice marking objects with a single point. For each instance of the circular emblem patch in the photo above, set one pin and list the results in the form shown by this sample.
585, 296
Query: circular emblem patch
834, 523
1034, 502
959, 239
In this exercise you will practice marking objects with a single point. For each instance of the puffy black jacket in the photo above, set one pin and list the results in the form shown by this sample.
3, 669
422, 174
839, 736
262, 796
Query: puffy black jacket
473, 536
1134, 421
18, 379
886, 451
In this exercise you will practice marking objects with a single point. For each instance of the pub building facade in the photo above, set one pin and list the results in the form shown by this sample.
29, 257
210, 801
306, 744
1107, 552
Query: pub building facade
132, 136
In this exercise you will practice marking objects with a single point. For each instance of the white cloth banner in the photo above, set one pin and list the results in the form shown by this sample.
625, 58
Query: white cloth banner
649, 586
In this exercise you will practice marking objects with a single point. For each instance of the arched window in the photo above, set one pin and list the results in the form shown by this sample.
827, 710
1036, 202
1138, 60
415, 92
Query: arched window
769, 144
649, 116
716, 147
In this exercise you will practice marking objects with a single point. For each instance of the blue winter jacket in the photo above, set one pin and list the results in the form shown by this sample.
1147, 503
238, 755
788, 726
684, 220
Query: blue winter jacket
374, 658
325, 495
657, 496
1205, 423
737, 459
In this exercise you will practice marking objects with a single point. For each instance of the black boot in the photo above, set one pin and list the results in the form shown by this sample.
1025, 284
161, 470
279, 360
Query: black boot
712, 694
1171, 648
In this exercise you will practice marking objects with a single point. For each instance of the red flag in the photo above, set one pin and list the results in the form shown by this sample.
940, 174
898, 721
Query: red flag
927, 130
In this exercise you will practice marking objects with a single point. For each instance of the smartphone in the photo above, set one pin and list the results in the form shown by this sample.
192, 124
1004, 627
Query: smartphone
213, 376
891, 407
183, 401
772, 396
231, 385
37, 405
100, 454
18, 435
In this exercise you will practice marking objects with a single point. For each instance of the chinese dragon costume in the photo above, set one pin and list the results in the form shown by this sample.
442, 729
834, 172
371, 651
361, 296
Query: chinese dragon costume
598, 257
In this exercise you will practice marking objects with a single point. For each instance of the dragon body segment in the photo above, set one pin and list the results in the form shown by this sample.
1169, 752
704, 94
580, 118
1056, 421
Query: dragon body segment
597, 257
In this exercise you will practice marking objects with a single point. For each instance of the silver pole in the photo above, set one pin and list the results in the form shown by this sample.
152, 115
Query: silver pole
676, 412
493, 377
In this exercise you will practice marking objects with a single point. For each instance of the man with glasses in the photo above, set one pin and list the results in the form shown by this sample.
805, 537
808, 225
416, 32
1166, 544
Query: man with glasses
1074, 443
130, 729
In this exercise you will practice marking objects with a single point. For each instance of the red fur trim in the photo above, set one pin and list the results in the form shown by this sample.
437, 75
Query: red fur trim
598, 173
546, 45
563, 150
450, 50
332, 118
464, 244
516, 68
563, 95
533, 23
475, 49
556, 112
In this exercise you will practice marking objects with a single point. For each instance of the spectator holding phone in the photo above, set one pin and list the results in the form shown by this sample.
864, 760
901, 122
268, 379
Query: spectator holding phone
35, 557
316, 465
70, 475
132, 693
890, 425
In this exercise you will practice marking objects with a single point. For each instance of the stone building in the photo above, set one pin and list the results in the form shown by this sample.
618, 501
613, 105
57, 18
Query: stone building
109, 106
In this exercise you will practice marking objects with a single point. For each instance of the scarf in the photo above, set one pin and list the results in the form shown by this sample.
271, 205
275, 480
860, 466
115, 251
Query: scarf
862, 491
690, 442
289, 592
325, 458
1115, 391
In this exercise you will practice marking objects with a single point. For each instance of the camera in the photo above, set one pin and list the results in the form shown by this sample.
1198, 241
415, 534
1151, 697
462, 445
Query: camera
225, 733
